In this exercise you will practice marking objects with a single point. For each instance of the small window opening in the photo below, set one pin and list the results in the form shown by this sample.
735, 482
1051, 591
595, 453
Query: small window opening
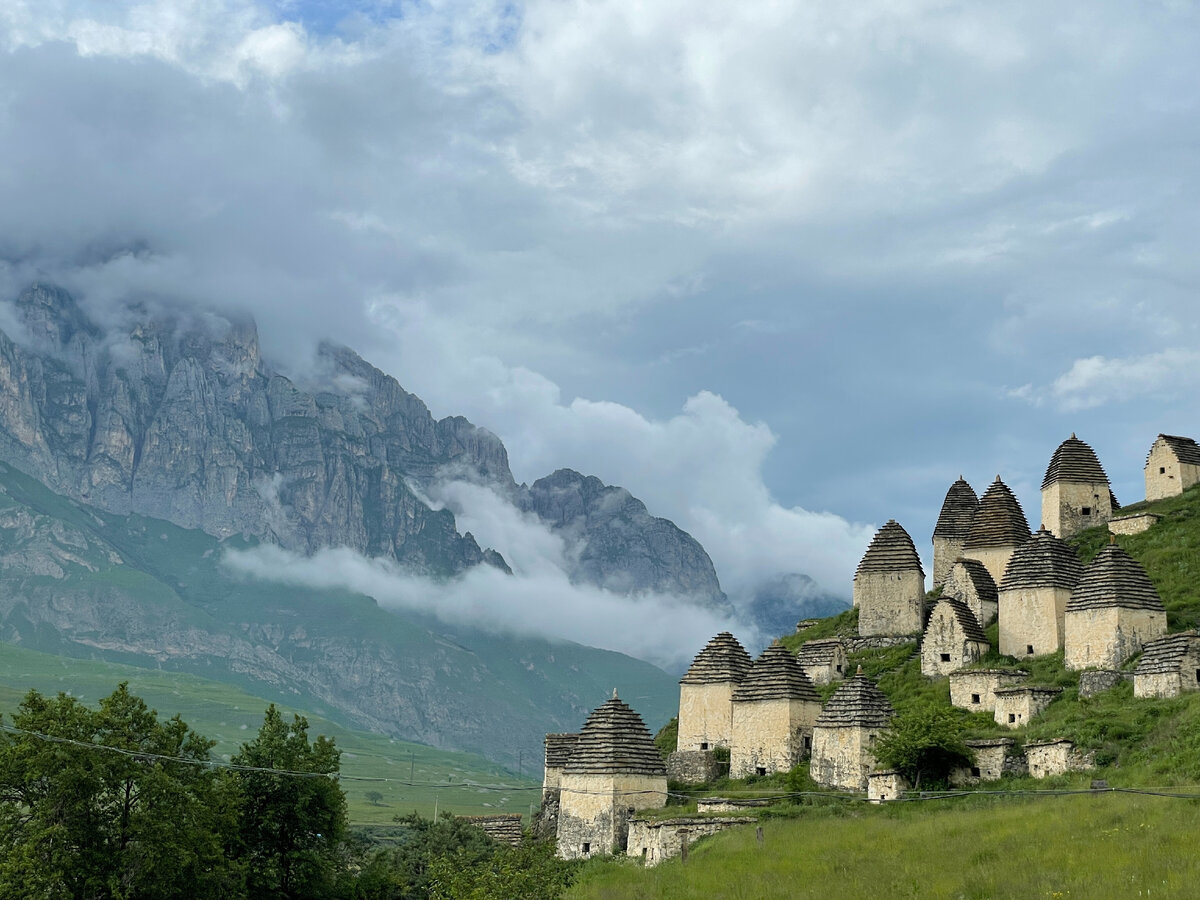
1029, 649
945, 657
587, 847
1162, 470
839, 668
760, 770
975, 773
974, 698
870, 739
704, 745
1012, 717
1198, 675
808, 743
644, 849
1086, 511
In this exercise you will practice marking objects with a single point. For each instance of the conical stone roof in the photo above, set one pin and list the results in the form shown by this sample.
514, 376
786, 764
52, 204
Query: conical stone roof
857, 702
722, 660
819, 653
776, 675
1042, 561
1114, 579
559, 747
958, 510
891, 550
1162, 656
980, 578
1076, 462
1185, 448
615, 740
999, 521
970, 626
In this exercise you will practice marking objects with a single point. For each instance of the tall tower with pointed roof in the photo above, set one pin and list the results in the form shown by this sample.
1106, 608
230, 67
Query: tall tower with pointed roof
1112, 612
999, 528
1075, 492
889, 585
1033, 595
613, 770
705, 693
845, 733
953, 526
1172, 466
774, 710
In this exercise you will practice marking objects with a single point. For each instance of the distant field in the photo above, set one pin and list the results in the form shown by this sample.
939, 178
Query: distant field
1087, 847
229, 716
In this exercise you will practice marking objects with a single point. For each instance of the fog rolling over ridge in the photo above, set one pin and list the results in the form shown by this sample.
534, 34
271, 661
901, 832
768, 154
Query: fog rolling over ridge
344, 478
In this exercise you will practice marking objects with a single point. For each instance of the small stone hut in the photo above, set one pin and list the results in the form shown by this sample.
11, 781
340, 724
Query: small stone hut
953, 639
845, 733
1169, 666
614, 770
998, 529
971, 582
885, 786
705, 691
953, 526
975, 689
1055, 757
990, 754
889, 585
823, 661
1112, 612
774, 710
1172, 466
1015, 706
1034, 592
503, 828
657, 840
1075, 492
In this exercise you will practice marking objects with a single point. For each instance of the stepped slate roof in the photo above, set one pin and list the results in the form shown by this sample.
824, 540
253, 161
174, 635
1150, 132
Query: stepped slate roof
1185, 449
891, 550
958, 509
1042, 561
1114, 580
1163, 655
819, 653
857, 702
981, 579
559, 747
723, 659
972, 630
999, 521
776, 675
1074, 461
615, 740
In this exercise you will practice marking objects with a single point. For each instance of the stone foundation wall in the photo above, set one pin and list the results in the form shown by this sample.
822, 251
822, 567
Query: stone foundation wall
594, 810
842, 758
858, 644
1063, 505
889, 603
1032, 617
1097, 681
705, 716
1132, 524
656, 840
694, 766
1105, 638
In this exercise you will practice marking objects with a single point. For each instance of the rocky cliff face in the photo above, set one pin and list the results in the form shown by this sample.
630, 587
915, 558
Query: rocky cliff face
177, 416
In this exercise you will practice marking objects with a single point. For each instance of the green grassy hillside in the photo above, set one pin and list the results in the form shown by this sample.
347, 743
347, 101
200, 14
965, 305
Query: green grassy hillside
460, 782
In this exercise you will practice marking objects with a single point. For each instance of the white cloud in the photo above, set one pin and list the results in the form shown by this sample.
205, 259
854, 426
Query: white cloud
1099, 381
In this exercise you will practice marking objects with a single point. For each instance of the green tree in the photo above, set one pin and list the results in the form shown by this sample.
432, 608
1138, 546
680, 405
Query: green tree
427, 840
373, 797
293, 826
925, 745
531, 871
93, 804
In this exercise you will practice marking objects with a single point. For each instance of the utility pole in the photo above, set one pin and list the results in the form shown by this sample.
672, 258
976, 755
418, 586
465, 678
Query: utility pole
520, 760
412, 766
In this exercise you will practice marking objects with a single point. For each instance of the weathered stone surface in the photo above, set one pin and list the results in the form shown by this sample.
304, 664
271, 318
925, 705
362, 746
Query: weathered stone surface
1169, 666
889, 584
1015, 706
975, 689
1112, 613
969, 581
1172, 466
845, 733
1075, 492
1134, 524
695, 766
1097, 681
1033, 595
886, 786
952, 639
990, 755
503, 828
824, 660
657, 840
1056, 757
706, 691
999, 527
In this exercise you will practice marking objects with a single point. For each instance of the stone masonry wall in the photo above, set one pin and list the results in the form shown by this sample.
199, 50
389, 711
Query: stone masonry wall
1014, 708
1096, 681
945, 552
656, 840
965, 687
1132, 524
1176, 478
1063, 504
1032, 617
889, 603
705, 716
594, 810
958, 584
772, 735
842, 758
994, 559
1105, 638
693, 766
944, 637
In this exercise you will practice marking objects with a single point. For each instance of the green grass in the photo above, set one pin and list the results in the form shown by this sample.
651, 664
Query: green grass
229, 715
1104, 846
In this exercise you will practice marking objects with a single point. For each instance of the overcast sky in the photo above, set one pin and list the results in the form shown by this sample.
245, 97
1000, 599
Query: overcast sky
784, 270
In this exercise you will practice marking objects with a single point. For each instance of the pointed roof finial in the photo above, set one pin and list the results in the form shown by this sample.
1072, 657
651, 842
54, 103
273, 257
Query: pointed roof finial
859, 672
614, 694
